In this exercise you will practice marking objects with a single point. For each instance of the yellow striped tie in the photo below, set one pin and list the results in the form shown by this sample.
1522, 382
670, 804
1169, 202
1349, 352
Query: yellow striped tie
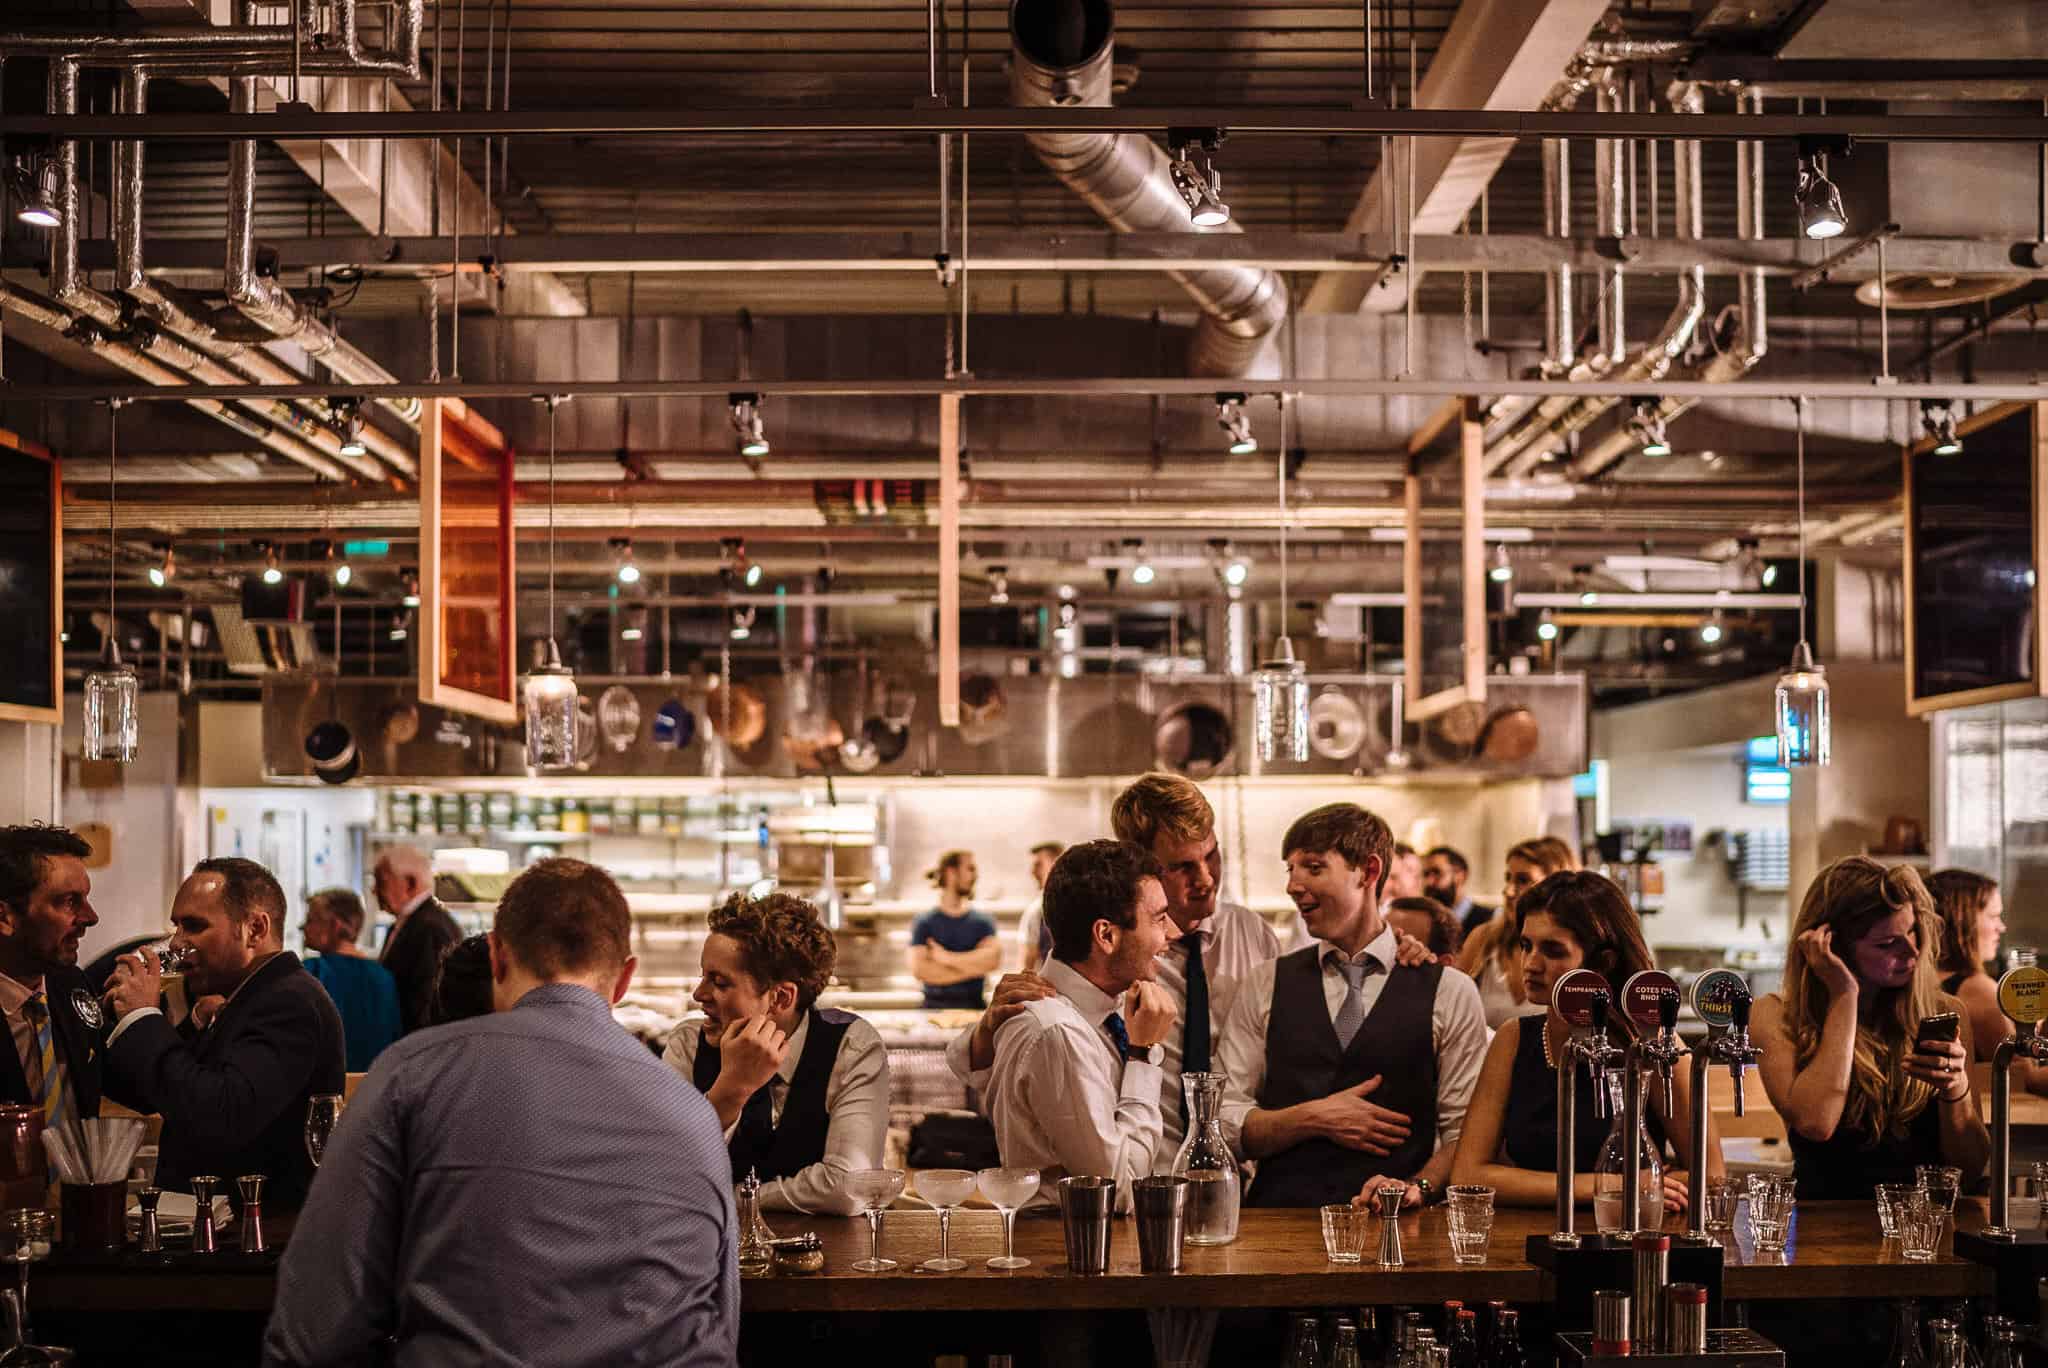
49, 1081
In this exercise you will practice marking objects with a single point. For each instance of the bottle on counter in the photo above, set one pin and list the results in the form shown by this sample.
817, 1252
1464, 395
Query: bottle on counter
1344, 1346
1505, 1348
1206, 1162
1465, 1341
1906, 1336
1304, 1349
1608, 1173
1950, 1348
2002, 1344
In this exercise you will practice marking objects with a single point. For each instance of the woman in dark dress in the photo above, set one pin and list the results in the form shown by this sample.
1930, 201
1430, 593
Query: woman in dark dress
1862, 1103
1572, 920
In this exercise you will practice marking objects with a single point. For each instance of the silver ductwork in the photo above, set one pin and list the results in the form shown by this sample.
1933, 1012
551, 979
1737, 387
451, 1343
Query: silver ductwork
1060, 55
245, 50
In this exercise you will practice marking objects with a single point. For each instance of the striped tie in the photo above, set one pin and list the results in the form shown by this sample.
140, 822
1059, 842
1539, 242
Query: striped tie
48, 1083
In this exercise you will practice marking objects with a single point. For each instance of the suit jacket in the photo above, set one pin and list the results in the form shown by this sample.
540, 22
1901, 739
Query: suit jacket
233, 1097
78, 1040
413, 955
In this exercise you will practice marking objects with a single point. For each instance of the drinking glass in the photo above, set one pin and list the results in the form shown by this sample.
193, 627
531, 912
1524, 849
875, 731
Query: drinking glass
1941, 1184
1724, 1195
323, 1114
1470, 1208
1007, 1189
945, 1189
25, 1239
1770, 1211
1890, 1197
874, 1189
1344, 1229
1920, 1221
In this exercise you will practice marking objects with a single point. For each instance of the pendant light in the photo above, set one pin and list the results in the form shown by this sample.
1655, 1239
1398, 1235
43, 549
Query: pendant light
1804, 727
1280, 683
112, 692
551, 689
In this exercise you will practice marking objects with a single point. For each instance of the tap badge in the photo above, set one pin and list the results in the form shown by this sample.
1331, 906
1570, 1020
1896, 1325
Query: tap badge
1713, 997
1572, 996
1640, 995
2023, 994
88, 1008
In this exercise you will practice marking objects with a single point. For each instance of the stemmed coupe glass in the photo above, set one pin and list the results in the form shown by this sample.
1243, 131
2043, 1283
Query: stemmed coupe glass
945, 1189
1007, 1189
874, 1189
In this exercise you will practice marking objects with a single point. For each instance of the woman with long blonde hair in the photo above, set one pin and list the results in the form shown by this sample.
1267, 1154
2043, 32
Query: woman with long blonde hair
1864, 1098
1492, 953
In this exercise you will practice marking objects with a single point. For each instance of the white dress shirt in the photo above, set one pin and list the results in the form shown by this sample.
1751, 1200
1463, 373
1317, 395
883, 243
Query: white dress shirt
1457, 1028
856, 1106
1497, 1001
1061, 1098
1235, 940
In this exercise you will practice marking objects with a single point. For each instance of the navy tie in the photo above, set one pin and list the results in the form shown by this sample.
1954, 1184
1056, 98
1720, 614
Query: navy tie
1194, 1040
1114, 1024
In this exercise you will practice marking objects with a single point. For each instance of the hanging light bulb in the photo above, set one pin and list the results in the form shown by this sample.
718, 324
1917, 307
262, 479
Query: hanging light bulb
112, 728
347, 413
550, 692
401, 625
1710, 630
742, 622
628, 572
409, 583
1142, 572
1280, 683
273, 573
1236, 424
1546, 626
1200, 184
1805, 730
1503, 569
166, 570
998, 586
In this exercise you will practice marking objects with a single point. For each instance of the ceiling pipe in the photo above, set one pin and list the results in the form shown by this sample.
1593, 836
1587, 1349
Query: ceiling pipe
245, 50
1060, 55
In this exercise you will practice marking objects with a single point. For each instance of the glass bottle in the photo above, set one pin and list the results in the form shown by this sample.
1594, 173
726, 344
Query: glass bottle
1344, 1346
1465, 1341
1303, 1349
1613, 1165
756, 1259
1506, 1349
2002, 1349
1906, 1352
1949, 1345
1206, 1162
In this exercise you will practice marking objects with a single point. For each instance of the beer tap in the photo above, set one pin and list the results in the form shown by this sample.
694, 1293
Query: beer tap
2023, 998
1721, 1000
1649, 1000
1580, 1000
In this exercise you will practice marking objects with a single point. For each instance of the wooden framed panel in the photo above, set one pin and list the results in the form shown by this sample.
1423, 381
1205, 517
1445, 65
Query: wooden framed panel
1976, 545
31, 582
469, 629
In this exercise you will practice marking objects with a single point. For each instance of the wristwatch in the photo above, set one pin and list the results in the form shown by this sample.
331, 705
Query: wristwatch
1144, 1054
1431, 1193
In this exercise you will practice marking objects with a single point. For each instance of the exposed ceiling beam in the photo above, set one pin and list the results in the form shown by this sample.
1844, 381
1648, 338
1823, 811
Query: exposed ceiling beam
1897, 79
1498, 54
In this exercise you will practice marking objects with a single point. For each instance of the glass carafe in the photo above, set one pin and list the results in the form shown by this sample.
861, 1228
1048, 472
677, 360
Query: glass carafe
755, 1256
1950, 1349
1206, 1162
1906, 1351
1608, 1217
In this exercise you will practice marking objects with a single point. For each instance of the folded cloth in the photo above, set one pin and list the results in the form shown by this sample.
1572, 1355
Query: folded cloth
174, 1213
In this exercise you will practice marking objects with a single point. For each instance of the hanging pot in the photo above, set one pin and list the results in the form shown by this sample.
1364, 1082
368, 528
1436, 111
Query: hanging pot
749, 715
889, 741
618, 717
1511, 736
675, 726
1336, 725
1193, 738
984, 709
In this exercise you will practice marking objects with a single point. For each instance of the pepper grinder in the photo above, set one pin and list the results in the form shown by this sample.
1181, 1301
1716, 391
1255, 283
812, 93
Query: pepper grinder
202, 1214
1388, 1199
252, 1212
152, 1237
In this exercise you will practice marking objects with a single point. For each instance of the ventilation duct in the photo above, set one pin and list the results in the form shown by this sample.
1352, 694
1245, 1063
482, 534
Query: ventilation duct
1061, 53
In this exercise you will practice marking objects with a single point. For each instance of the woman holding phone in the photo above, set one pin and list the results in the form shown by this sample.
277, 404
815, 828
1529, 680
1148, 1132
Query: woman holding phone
1862, 1054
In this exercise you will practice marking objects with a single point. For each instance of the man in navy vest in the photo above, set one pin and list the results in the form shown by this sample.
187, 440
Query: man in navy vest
1341, 1071
802, 1090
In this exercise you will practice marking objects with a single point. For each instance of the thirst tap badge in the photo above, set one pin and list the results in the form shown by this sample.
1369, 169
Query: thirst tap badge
88, 1008
1714, 994
2023, 994
1573, 995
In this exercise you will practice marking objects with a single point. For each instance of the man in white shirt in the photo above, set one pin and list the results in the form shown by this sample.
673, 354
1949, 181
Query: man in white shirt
801, 1090
1075, 1086
1339, 1070
1034, 942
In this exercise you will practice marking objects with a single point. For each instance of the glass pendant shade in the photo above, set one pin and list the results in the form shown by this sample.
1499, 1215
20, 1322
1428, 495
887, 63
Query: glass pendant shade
112, 695
550, 697
1804, 727
1280, 706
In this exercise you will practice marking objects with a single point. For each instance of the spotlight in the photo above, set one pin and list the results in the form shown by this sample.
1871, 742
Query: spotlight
342, 575
1142, 572
338, 572
401, 626
1768, 576
36, 182
746, 425
1236, 572
1818, 200
998, 586
1196, 177
737, 567
1646, 425
753, 576
1710, 630
1938, 421
348, 425
1546, 627
626, 571
743, 622
635, 625
273, 573
409, 577
1502, 570
1582, 576
1068, 593
164, 573
1236, 424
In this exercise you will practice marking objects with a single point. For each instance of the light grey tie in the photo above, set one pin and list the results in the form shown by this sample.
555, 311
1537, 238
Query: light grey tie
1351, 1014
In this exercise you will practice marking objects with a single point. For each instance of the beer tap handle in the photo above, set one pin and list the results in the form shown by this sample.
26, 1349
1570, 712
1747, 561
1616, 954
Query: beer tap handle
1740, 1052
1596, 1050
1667, 1022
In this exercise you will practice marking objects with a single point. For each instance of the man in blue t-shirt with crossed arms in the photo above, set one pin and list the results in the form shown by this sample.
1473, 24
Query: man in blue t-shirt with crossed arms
953, 948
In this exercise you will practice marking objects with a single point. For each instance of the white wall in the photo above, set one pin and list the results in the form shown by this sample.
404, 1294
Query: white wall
148, 813
31, 760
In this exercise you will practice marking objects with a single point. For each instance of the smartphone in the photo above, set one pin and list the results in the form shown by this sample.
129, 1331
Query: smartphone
1941, 1026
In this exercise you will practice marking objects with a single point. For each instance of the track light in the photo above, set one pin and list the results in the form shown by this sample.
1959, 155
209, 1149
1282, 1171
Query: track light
338, 571
1938, 421
1710, 630
1142, 572
1546, 626
1502, 569
635, 626
1646, 425
401, 625
747, 426
998, 586
1196, 177
1581, 580
626, 571
1236, 424
743, 622
273, 573
1818, 200
348, 425
165, 571
36, 182
409, 578
1236, 572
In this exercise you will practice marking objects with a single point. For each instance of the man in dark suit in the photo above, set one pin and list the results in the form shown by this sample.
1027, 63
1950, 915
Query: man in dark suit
421, 931
233, 1090
53, 1015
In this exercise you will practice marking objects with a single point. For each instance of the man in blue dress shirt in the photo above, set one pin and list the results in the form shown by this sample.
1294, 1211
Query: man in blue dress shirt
527, 1187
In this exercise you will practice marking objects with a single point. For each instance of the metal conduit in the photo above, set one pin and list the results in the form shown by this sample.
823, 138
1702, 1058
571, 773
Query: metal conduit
246, 50
1061, 52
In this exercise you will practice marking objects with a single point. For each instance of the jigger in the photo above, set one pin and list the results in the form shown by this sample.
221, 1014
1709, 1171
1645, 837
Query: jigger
252, 1212
202, 1214
1387, 1200
152, 1236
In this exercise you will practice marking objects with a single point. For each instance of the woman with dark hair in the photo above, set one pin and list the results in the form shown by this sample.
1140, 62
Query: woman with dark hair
1864, 1099
1491, 954
1571, 920
1432, 923
1972, 917
462, 982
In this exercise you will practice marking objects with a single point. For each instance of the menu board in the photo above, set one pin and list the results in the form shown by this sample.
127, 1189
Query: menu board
31, 582
468, 623
1973, 561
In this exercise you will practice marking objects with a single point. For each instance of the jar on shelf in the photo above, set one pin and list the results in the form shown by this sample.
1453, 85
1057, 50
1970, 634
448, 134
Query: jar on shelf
498, 811
599, 812
575, 820
423, 818
548, 815
673, 813
650, 823
448, 812
474, 814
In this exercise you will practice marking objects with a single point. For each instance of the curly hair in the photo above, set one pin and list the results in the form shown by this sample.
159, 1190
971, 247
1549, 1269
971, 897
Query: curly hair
780, 940
1094, 881
1960, 897
1849, 897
